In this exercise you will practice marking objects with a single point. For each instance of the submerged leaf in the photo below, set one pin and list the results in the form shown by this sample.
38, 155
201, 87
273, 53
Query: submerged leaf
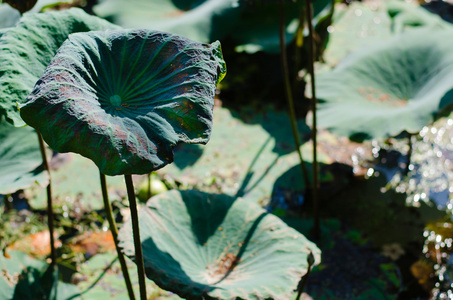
377, 92
206, 246
26, 50
125, 98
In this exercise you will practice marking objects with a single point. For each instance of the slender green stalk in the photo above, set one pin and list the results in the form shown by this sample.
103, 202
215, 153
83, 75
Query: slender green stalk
299, 44
136, 233
311, 70
149, 185
409, 154
289, 95
303, 283
114, 231
50, 216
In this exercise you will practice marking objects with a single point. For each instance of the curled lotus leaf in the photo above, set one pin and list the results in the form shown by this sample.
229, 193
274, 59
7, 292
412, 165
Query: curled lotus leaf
27, 48
400, 85
211, 246
125, 98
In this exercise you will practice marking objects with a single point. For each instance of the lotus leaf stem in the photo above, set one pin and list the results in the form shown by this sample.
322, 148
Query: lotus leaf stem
303, 282
409, 154
136, 234
311, 70
114, 231
50, 216
289, 96
149, 185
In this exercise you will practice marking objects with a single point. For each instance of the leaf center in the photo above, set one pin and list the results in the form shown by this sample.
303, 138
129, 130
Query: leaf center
115, 100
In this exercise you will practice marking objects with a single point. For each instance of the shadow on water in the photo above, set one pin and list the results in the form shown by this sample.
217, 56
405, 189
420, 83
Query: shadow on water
244, 189
278, 125
289, 191
98, 279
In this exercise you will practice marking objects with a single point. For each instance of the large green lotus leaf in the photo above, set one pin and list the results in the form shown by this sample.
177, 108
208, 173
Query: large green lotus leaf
125, 98
368, 23
213, 246
20, 158
26, 50
380, 91
200, 20
354, 26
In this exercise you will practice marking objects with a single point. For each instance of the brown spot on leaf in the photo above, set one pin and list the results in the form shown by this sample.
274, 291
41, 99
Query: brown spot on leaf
226, 264
378, 96
11, 280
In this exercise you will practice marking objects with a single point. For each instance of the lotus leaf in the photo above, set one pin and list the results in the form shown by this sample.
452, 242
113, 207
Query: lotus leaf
200, 20
20, 158
406, 15
125, 98
23, 277
26, 50
401, 85
369, 23
206, 246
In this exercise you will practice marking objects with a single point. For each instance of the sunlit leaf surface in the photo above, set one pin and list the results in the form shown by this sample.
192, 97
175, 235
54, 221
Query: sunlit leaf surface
403, 84
218, 247
125, 98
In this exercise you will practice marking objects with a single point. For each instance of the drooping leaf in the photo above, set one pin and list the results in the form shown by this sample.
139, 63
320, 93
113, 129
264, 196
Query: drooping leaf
203, 246
200, 20
26, 50
380, 91
20, 158
125, 98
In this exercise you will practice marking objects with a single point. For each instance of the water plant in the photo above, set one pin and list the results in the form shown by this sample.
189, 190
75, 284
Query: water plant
124, 99
212, 246
400, 85
25, 51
